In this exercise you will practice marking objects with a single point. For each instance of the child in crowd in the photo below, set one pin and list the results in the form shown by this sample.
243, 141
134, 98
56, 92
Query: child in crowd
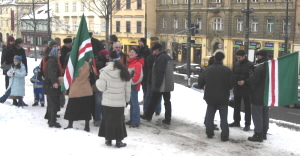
37, 88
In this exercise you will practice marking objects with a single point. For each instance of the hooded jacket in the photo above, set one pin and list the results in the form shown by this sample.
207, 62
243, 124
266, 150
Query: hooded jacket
135, 68
116, 92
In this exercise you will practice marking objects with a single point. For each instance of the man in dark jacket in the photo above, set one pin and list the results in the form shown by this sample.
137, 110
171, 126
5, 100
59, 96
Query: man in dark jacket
260, 113
7, 57
242, 89
162, 83
67, 47
96, 44
144, 53
218, 80
18, 49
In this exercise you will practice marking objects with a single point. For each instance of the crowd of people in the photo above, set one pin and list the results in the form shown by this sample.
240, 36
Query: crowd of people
111, 81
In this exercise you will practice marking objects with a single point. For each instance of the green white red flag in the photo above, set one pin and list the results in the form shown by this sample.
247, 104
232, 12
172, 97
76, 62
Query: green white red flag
81, 51
281, 85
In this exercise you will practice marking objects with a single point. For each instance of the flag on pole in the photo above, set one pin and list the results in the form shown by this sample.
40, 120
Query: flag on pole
81, 52
281, 85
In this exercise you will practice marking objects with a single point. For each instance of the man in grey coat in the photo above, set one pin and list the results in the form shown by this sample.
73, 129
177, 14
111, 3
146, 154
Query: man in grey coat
162, 83
218, 80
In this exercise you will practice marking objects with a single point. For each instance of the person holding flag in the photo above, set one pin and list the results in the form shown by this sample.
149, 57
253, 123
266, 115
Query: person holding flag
76, 78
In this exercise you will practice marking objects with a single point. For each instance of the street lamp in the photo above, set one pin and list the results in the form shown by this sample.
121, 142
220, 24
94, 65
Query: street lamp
286, 27
247, 11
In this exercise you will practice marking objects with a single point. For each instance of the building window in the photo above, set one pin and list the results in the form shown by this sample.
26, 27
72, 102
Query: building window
289, 26
254, 25
186, 23
74, 7
103, 25
66, 7
199, 22
128, 26
74, 26
139, 4
118, 26
56, 8
67, 26
7, 23
239, 1
198, 1
218, 24
239, 25
164, 23
270, 25
270, 0
163, 1
118, 4
56, 26
215, 1
138, 27
6, 10
175, 2
128, 4
175, 26
255, 1
82, 6
185, 1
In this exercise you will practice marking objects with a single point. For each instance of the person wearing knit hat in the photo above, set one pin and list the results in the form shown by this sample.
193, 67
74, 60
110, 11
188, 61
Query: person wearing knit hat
104, 52
18, 59
52, 43
10, 41
114, 56
4, 56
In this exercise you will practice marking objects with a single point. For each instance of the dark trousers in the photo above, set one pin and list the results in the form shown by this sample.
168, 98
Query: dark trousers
237, 109
260, 116
154, 101
6, 81
52, 107
210, 116
144, 87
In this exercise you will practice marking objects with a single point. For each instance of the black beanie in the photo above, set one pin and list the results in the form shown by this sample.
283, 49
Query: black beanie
143, 40
18, 41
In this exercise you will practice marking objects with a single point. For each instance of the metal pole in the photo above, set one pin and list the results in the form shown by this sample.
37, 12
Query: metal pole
286, 28
246, 41
49, 28
188, 46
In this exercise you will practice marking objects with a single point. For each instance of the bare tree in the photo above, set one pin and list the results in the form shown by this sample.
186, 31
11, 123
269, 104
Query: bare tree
105, 9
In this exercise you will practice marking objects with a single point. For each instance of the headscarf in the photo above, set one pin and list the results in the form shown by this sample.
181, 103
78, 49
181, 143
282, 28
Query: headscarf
54, 52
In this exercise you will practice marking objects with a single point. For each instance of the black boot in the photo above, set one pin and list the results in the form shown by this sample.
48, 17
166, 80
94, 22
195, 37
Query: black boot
35, 104
42, 104
54, 124
234, 124
120, 144
257, 137
87, 125
108, 142
265, 136
52, 120
15, 102
70, 125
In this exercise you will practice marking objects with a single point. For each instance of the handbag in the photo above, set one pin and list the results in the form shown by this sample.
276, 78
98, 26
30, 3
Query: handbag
5, 66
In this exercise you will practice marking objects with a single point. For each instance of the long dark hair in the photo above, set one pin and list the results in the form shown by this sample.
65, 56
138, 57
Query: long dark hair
18, 66
124, 74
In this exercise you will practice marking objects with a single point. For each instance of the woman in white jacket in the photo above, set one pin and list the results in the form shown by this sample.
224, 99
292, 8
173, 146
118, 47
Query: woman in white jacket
116, 87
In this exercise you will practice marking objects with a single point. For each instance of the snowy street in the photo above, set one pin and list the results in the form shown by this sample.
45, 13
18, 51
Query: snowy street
24, 131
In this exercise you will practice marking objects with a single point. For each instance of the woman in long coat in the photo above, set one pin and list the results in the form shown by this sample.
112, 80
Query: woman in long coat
115, 85
79, 106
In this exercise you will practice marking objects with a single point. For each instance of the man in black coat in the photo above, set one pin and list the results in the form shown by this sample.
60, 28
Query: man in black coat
7, 58
144, 53
242, 89
96, 44
218, 80
18, 49
67, 47
260, 113
162, 83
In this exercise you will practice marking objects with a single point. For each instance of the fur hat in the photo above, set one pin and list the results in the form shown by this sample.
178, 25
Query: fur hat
262, 53
52, 43
143, 40
156, 46
67, 40
18, 58
114, 56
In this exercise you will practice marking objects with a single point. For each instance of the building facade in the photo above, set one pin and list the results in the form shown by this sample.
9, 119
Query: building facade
222, 27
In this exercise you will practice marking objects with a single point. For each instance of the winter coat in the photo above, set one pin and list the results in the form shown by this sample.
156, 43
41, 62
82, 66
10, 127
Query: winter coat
218, 81
135, 68
17, 81
162, 73
81, 85
241, 72
150, 62
36, 82
6, 57
257, 80
64, 51
19, 52
101, 61
97, 46
116, 92
144, 53
51, 74
123, 58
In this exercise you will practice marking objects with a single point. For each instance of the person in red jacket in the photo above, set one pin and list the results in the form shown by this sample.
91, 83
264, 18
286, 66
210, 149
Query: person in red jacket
135, 68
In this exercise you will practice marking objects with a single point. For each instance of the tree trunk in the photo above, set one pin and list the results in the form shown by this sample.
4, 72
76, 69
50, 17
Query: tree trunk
107, 43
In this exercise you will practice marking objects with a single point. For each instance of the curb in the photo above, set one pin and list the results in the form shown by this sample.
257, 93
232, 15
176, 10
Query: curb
285, 124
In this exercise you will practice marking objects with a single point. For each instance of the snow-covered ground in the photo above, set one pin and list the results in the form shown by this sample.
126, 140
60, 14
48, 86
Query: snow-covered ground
24, 131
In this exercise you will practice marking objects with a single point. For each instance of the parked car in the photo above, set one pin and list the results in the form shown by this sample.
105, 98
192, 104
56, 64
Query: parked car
196, 69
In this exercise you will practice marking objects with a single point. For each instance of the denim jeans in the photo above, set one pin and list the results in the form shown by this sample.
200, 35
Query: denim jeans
148, 99
98, 109
134, 108
210, 115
